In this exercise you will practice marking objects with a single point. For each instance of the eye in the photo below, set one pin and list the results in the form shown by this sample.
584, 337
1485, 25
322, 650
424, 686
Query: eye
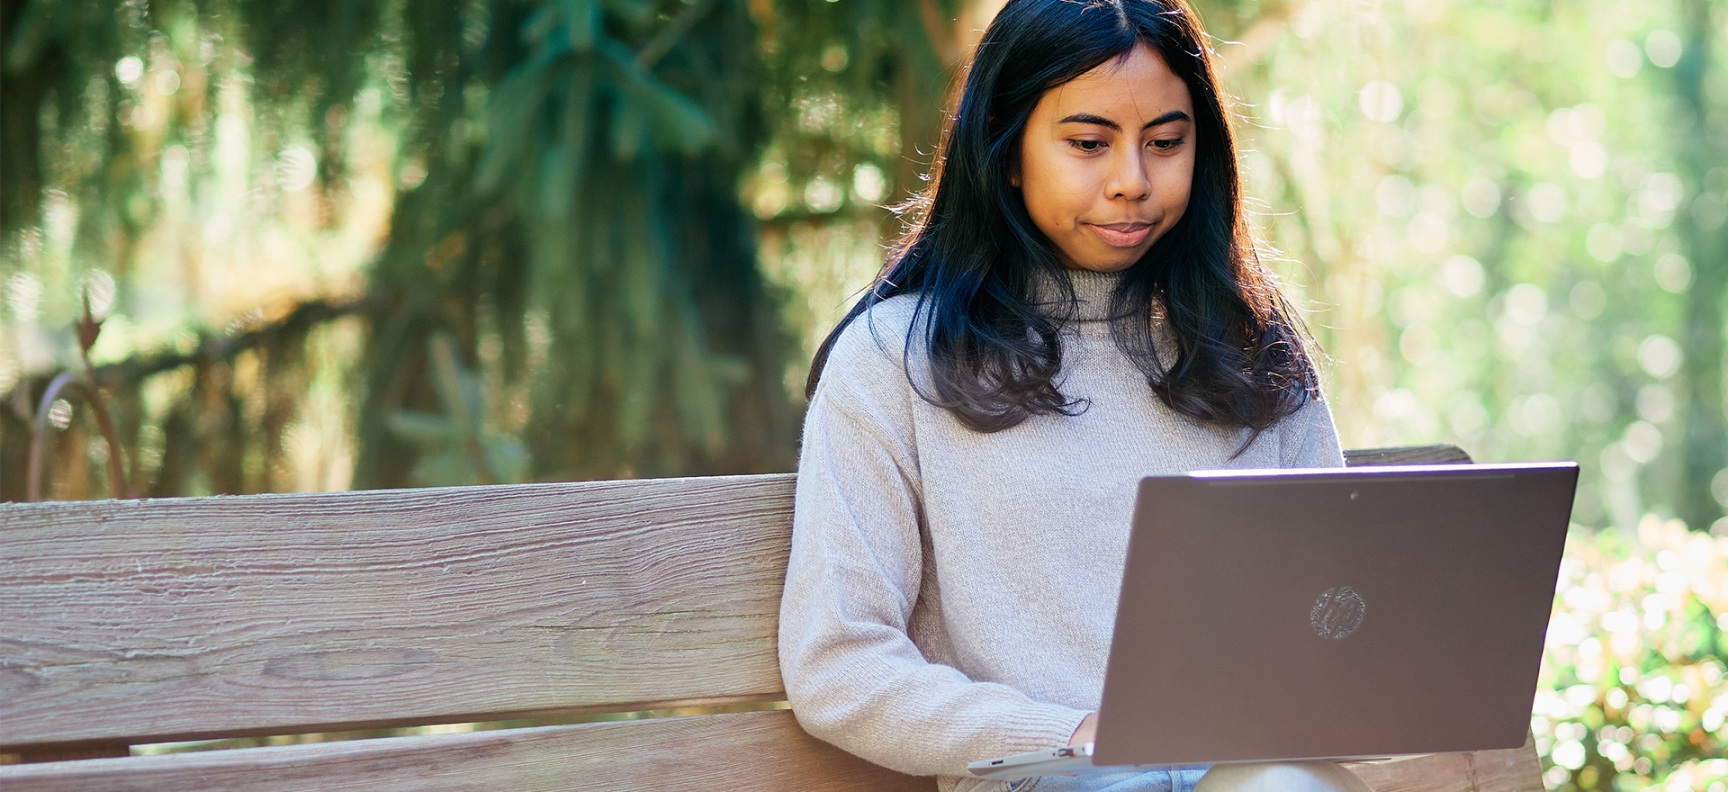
1087, 145
1168, 144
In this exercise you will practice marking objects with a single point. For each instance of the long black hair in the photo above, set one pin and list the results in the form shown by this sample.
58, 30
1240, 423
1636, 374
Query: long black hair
972, 253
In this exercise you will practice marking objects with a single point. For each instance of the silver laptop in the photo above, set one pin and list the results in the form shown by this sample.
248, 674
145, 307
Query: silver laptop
1345, 614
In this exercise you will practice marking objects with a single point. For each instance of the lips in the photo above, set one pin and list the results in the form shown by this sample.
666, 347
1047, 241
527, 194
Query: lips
1124, 235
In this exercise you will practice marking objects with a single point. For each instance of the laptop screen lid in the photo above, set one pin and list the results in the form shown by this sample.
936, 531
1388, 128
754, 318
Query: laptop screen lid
1337, 613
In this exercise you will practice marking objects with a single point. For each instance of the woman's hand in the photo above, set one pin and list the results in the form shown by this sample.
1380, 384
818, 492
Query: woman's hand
1086, 730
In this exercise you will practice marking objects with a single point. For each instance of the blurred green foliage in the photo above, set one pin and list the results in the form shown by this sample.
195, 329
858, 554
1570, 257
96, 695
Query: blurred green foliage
551, 190
1511, 220
394, 244
1632, 692
1498, 241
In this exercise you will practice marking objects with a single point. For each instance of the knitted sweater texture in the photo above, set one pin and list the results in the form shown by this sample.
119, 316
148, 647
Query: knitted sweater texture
951, 594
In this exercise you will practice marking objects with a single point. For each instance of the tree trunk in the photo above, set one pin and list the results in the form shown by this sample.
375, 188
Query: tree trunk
1704, 442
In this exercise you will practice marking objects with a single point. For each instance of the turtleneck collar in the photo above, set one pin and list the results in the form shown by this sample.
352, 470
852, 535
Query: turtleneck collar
1092, 294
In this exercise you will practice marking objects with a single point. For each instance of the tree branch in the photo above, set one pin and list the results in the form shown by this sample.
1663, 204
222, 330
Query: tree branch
210, 347
663, 41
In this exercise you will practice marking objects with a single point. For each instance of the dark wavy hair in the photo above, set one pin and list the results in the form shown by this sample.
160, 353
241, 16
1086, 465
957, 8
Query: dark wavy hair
972, 254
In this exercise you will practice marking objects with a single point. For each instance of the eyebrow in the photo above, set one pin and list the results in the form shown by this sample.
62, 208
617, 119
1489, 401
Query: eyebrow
1088, 118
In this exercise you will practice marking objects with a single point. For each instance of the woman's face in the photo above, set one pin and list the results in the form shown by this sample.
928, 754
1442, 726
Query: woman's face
1107, 161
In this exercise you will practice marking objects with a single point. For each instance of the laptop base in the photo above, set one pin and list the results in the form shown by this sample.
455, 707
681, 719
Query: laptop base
1076, 760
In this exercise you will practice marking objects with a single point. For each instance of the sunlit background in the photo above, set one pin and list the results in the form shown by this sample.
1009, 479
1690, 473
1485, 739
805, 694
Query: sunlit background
383, 244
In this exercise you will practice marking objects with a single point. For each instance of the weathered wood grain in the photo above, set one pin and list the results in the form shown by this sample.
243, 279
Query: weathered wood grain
1511, 770
185, 618
1407, 455
756, 751
291, 613
178, 619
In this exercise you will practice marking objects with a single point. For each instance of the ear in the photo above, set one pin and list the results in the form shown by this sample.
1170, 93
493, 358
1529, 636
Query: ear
1014, 173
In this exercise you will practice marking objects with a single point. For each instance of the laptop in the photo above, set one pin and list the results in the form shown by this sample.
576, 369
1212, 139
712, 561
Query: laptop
1347, 614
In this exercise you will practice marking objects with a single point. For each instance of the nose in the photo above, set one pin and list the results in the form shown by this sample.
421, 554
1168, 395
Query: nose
1128, 176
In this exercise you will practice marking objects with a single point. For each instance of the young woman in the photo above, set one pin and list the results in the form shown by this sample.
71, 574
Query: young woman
1077, 305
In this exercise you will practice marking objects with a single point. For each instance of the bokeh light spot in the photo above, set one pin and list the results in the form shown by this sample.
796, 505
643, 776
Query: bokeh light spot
1643, 442
129, 70
1526, 304
1664, 48
1657, 198
1381, 101
1569, 754
1481, 197
296, 168
1719, 487
1655, 403
1429, 232
869, 185
1588, 159
834, 58
821, 195
1659, 356
1462, 275
1534, 415
1673, 272
1603, 242
1624, 58
1546, 203
1395, 195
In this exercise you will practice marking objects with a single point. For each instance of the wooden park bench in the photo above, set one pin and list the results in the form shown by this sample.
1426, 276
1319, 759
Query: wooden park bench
136, 622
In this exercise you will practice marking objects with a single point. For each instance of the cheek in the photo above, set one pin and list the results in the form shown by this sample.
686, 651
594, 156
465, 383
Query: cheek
1178, 188
1051, 165
1048, 191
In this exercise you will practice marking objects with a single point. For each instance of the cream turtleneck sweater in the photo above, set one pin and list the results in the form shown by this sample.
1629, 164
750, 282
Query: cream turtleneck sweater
951, 594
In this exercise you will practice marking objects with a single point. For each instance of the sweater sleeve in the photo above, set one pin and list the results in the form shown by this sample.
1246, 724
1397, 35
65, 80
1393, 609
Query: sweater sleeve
1309, 439
852, 674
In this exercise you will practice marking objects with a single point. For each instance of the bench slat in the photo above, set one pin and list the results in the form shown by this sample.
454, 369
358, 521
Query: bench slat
757, 750
146, 621
1510, 770
1407, 455
716, 752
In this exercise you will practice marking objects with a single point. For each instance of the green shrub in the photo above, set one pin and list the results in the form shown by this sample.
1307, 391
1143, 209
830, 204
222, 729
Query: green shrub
1632, 694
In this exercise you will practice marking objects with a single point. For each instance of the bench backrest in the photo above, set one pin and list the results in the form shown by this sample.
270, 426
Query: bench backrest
129, 622
179, 619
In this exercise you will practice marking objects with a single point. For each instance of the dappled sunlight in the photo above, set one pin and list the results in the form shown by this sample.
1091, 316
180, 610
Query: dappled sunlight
493, 242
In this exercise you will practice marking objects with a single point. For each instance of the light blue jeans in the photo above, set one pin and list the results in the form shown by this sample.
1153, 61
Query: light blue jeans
1318, 776
1157, 781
